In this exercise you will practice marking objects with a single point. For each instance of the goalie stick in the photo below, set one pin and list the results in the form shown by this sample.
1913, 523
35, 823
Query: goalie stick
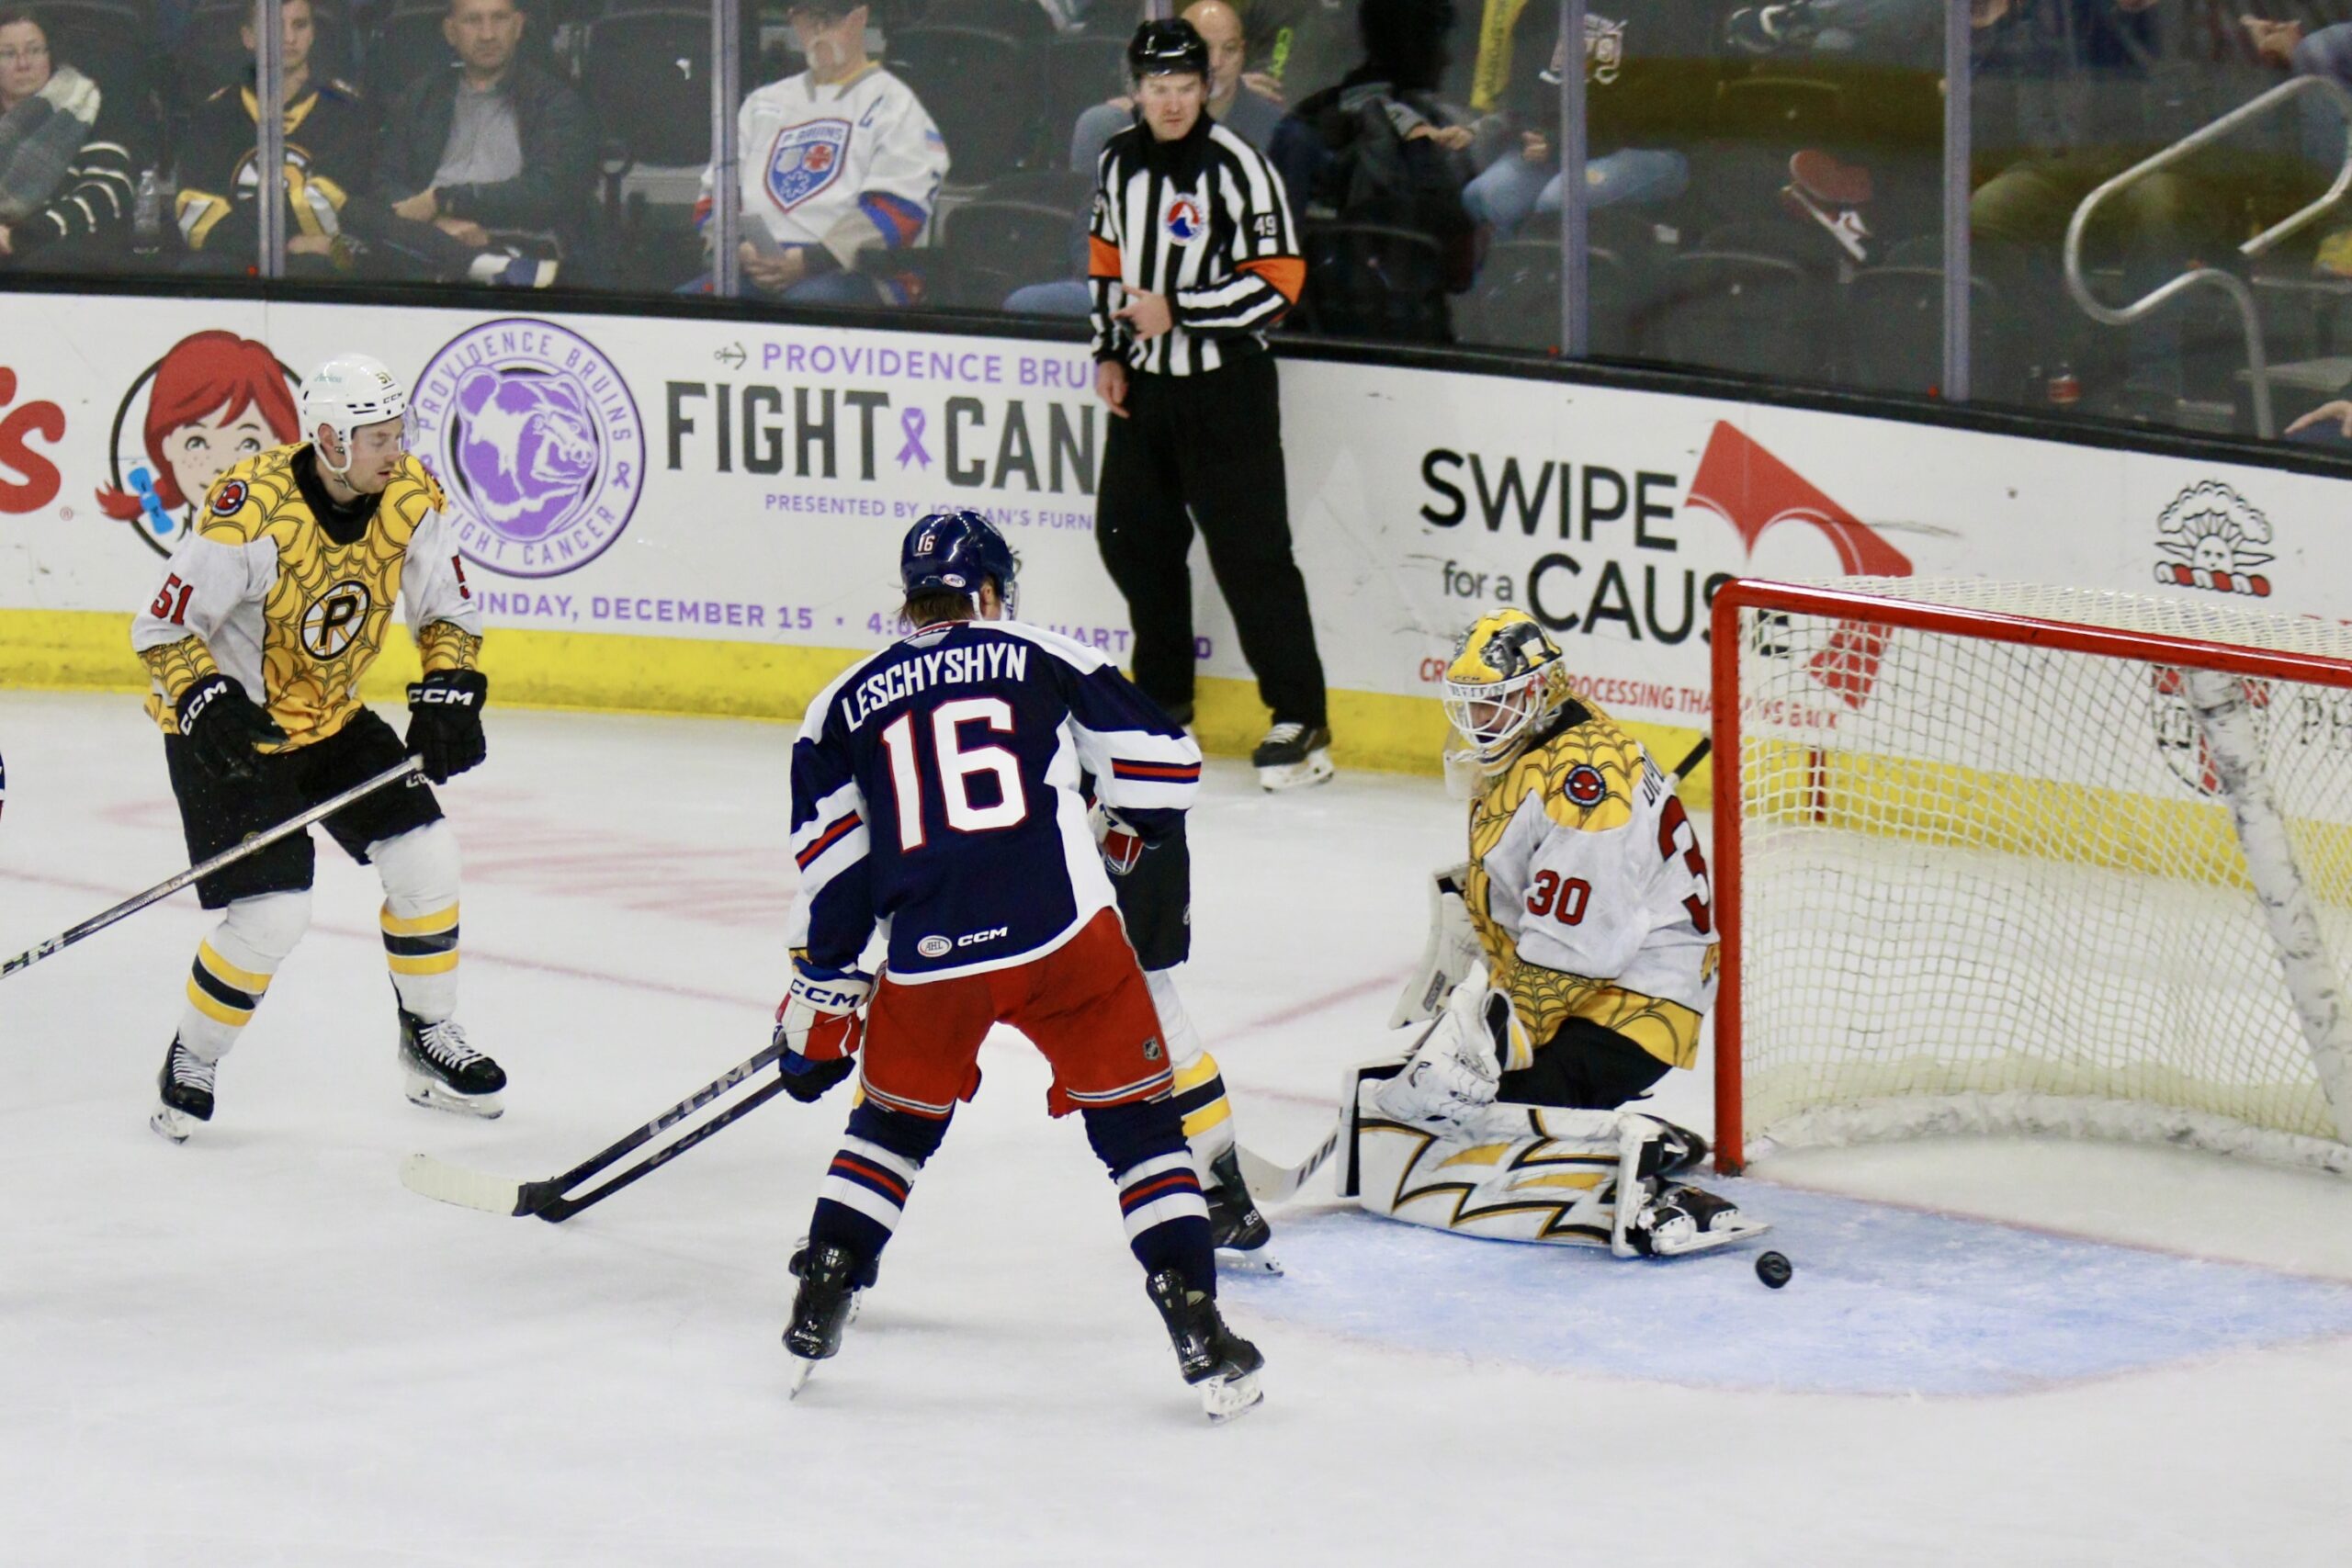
164, 889
1270, 1183
448, 1183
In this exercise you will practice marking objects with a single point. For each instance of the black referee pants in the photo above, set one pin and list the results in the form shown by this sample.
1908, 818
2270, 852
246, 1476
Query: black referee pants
1208, 449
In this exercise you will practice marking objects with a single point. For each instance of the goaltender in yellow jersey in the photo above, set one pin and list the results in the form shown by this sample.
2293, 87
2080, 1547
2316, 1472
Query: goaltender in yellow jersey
1572, 959
270, 611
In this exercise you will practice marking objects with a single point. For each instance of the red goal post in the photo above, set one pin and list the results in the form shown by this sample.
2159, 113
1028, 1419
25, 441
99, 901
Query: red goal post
1998, 857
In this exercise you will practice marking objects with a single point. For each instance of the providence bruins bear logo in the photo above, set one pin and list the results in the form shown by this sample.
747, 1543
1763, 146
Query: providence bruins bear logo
335, 617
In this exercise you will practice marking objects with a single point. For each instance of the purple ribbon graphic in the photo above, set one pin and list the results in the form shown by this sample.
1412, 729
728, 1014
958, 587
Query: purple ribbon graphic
912, 422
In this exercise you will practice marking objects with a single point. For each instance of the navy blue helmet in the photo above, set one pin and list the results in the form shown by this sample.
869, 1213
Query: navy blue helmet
954, 552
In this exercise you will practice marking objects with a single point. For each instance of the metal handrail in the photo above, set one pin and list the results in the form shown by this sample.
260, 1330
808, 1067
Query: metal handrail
2257, 364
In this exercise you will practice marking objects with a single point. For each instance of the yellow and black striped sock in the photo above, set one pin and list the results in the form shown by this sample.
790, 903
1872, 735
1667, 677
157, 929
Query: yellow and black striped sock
221, 998
422, 952
1208, 1115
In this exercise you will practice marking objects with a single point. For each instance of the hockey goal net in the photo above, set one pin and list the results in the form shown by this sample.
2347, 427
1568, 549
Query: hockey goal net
2001, 858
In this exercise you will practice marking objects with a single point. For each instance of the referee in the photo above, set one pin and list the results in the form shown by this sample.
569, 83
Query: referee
1191, 257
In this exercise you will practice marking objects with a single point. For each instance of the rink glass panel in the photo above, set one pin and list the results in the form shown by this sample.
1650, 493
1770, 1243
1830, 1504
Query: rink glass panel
1979, 877
1780, 205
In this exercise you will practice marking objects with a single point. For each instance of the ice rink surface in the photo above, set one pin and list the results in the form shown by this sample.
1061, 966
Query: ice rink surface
260, 1349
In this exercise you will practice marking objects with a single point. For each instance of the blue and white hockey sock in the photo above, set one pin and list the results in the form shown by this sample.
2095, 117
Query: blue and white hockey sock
1159, 1192
864, 1191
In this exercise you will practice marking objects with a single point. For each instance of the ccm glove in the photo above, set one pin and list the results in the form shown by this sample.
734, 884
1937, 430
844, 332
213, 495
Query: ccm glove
445, 722
1121, 845
819, 1025
223, 726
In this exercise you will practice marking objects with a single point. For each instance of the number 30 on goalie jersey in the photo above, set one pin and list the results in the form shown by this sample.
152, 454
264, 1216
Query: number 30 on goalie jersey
1592, 868
935, 789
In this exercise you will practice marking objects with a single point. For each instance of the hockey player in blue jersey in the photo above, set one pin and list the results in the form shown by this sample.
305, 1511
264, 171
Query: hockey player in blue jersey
935, 796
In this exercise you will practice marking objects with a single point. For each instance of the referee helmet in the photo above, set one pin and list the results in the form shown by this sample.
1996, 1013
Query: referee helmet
1168, 48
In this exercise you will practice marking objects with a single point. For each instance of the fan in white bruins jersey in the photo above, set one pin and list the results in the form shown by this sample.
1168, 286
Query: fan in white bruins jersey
271, 609
1578, 944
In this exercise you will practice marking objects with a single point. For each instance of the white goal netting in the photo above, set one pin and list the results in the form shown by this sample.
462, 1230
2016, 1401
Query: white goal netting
1992, 884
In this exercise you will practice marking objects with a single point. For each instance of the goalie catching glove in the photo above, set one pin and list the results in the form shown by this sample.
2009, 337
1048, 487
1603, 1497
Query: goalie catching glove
445, 722
820, 1024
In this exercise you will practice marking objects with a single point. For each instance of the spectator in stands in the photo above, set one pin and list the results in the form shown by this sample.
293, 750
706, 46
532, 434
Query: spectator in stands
1239, 108
1242, 109
494, 146
2330, 425
2324, 51
837, 162
1892, 32
65, 180
332, 223
1299, 46
1373, 163
2089, 88
1516, 86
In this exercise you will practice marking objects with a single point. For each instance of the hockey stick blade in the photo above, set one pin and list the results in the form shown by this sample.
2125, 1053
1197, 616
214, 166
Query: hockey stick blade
1271, 1183
447, 1183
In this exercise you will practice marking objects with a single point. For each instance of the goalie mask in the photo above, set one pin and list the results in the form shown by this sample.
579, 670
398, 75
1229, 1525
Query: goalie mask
1506, 675
347, 392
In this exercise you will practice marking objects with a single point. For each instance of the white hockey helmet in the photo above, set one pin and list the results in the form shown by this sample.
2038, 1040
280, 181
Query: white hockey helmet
346, 392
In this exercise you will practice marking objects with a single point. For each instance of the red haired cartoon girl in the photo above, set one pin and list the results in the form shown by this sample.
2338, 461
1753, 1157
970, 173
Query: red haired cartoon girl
214, 400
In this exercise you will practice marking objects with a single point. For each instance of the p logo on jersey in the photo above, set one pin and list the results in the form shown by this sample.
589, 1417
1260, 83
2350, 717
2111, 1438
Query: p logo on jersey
335, 617
1186, 223
804, 159
229, 498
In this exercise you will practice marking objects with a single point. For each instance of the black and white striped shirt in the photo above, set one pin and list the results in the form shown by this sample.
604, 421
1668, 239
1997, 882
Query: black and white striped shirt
1204, 222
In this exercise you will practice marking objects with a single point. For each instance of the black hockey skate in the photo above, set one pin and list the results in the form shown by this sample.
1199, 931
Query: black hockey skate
1681, 1219
185, 1084
447, 1074
1237, 1229
1214, 1358
830, 1278
1676, 1149
1292, 755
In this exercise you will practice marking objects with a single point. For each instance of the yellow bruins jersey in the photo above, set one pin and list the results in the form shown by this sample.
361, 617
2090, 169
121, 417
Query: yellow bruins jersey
260, 592
1590, 892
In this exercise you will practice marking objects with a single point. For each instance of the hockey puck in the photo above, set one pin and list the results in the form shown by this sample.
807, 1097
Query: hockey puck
1773, 1268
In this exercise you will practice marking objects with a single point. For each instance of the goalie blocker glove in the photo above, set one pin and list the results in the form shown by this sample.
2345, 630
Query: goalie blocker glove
445, 722
820, 1024
223, 726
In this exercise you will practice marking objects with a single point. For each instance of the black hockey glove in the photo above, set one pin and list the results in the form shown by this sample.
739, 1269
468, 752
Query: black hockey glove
445, 722
223, 726
807, 1081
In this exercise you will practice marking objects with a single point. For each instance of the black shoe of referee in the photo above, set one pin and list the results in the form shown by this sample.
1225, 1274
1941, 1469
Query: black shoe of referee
1292, 755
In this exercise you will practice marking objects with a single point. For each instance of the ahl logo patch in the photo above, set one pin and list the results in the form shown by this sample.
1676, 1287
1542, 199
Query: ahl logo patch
1584, 786
1185, 222
805, 160
934, 947
229, 498
1151, 1052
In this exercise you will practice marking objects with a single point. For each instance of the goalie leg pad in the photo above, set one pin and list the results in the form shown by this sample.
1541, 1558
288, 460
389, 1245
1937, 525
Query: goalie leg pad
1536, 1173
1508, 1172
